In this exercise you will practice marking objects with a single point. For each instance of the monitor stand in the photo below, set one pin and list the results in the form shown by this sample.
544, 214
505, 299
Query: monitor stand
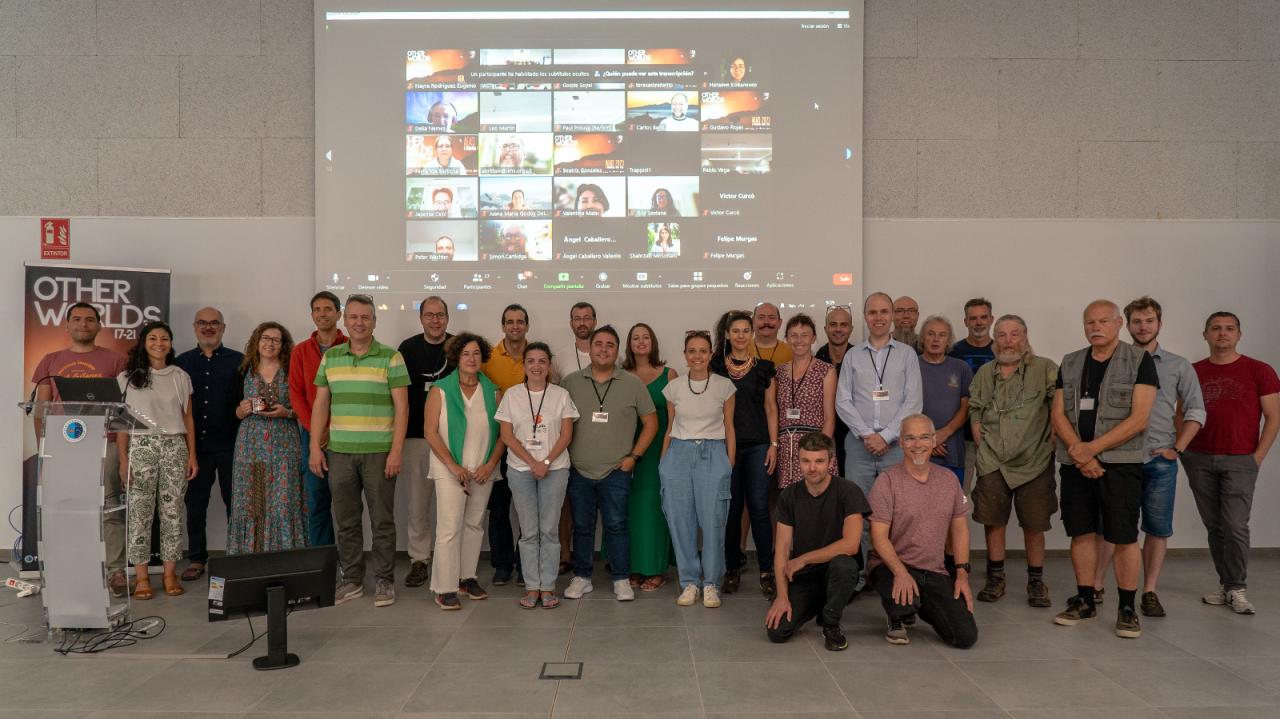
278, 656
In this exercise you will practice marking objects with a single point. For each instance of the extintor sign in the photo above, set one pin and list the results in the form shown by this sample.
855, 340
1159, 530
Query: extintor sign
55, 238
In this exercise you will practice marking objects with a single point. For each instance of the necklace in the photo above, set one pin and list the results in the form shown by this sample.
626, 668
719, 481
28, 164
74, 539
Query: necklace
689, 381
742, 370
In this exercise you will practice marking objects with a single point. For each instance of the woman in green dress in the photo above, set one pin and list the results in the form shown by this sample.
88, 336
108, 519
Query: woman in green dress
650, 539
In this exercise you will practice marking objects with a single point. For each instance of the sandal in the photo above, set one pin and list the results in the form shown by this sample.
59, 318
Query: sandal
142, 590
172, 586
194, 571
653, 584
529, 600
550, 600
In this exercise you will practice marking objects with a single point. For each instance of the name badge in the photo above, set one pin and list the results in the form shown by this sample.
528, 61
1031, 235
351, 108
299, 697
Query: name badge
793, 413
533, 442
879, 395
426, 386
1086, 404
600, 417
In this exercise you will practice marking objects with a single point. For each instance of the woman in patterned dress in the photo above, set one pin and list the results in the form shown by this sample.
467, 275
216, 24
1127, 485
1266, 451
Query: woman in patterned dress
806, 398
267, 504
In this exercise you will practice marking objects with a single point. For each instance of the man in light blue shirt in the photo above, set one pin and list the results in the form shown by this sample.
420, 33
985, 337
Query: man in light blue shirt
1166, 439
879, 386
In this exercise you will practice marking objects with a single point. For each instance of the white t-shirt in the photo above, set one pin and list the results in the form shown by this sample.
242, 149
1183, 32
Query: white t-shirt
164, 402
700, 414
571, 359
518, 406
684, 124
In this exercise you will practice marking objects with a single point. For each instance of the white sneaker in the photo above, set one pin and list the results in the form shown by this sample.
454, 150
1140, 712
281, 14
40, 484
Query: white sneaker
710, 597
1217, 597
578, 586
688, 596
1239, 603
622, 590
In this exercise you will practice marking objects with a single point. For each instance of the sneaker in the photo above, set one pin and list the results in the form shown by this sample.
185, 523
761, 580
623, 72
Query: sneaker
448, 601
622, 590
688, 596
1038, 594
833, 639
897, 632
993, 590
501, 576
710, 597
1077, 611
346, 592
1217, 598
118, 584
419, 572
731, 582
578, 586
768, 587
384, 593
1097, 596
1239, 603
1127, 624
1151, 606
472, 589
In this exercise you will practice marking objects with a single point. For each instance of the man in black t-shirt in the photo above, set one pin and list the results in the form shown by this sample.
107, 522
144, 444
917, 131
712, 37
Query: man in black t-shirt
816, 554
1103, 398
424, 358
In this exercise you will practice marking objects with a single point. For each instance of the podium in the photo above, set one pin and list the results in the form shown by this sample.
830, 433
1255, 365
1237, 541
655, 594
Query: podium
72, 508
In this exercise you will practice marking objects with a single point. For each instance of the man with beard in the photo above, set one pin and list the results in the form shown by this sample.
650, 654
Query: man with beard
1009, 404
679, 120
1101, 405
582, 321
511, 152
838, 327
906, 315
917, 511
765, 321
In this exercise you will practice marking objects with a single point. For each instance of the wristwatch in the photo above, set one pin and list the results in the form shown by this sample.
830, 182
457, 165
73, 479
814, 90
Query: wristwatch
965, 566
546, 462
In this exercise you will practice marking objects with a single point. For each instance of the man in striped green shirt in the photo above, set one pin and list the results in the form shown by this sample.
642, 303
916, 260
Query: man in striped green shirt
361, 411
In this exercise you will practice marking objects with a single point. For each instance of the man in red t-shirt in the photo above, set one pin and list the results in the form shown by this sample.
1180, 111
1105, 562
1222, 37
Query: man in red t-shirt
1223, 459
84, 358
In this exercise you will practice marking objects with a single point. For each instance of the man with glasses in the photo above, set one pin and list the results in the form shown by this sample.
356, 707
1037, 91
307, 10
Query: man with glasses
906, 315
505, 368
425, 361
326, 309
216, 389
1009, 405
765, 321
838, 327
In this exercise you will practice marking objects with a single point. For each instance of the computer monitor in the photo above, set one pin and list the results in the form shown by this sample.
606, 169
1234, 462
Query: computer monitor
275, 583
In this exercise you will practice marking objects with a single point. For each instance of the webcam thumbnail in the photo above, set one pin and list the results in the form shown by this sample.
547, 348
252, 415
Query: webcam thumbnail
515, 197
588, 56
663, 153
515, 57
737, 153
516, 153
515, 239
666, 111
661, 56
443, 67
515, 111
589, 110
736, 110
662, 196
440, 197
595, 153
663, 239
442, 111
440, 241
591, 197
739, 68
440, 155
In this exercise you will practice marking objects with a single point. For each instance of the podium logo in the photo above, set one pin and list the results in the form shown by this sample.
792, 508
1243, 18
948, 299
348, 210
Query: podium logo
73, 430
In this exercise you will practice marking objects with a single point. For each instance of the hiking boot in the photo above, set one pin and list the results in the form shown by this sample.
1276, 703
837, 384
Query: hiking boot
833, 639
419, 572
993, 590
471, 589
897, 632
1238, 602
1127, 624
1077, 611
1151, 606
1038, 594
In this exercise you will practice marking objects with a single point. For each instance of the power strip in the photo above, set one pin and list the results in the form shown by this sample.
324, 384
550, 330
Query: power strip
25, 589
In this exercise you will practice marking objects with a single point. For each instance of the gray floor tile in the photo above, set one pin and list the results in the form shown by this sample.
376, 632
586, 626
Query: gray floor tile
415, 645
926, 714
1175, 681
507, 612
504, 644
511, 687
1097, 640
1213, 639
1268, 712
736, 610
317, 715
643, 645
363, 687
304, 642
746, 644
41, 714
609, 688
754, 687
1012, 642
1096, 713
1263, 671
212, 686
1047, 683
886, 687
77, 682
867, 644
632, 614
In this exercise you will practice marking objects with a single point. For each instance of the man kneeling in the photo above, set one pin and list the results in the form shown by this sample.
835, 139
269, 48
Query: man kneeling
816, 548
915, 505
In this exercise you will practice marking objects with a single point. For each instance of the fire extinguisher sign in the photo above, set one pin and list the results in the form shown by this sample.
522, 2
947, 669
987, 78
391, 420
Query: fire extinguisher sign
55, 238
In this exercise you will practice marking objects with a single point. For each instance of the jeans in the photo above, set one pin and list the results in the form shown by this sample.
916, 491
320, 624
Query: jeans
502, 541
749, 485
819, 592
609, 495
199, 490
538, 503
695, 477
862, 468
1223, 487
935, 602
350, 476
319, 501
1159, 483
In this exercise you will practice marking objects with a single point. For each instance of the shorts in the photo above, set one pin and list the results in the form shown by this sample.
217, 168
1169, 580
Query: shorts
1036, 501
1111, 502
1159, 483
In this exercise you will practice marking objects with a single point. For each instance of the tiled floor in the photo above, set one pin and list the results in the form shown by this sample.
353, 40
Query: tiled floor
652, 658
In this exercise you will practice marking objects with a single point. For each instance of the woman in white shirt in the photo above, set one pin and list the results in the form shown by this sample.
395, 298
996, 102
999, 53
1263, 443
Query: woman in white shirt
695, 469
465, 452
536, 420
156, 466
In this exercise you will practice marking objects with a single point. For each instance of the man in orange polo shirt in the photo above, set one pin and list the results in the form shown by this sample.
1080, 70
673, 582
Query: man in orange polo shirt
505, 368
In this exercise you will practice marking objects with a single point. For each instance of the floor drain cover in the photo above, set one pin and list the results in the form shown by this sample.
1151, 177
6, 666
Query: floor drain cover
561, 670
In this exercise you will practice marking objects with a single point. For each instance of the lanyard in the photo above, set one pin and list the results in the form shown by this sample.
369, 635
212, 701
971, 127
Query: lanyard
607, 387
880, 370
795, 384
536, 414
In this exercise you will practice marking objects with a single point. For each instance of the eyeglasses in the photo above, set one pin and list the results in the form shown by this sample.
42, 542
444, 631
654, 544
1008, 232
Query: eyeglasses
209, 323
271, 340
435, 315
906, 310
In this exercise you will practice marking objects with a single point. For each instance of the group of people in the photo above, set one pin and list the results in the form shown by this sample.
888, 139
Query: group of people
847, 465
